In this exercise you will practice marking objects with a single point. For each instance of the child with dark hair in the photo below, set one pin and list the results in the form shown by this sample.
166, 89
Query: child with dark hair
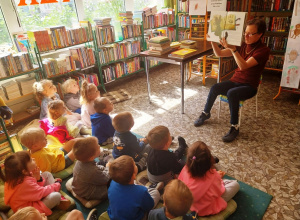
128, 201
89, 180
210, 192
102, 127
177, 202
25, 186
163, 164
126, 143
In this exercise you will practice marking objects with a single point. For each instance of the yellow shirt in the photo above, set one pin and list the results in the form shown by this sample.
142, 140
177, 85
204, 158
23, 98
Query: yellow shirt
49, 159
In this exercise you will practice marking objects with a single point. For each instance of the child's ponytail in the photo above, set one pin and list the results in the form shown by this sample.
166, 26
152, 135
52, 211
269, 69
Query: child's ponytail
84, 92
38, 89
199, 159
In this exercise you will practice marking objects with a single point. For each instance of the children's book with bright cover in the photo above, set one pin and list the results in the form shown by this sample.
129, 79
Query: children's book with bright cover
182, 53
229, 24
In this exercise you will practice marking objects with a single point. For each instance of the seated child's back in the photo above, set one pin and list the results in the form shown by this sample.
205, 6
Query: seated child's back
72, 95
102, 127
128, 201
90, 180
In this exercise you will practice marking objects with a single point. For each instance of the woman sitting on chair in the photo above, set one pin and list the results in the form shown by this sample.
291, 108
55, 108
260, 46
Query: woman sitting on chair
251, 58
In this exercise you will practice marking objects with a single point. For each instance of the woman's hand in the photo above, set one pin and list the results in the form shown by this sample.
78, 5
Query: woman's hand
224, 43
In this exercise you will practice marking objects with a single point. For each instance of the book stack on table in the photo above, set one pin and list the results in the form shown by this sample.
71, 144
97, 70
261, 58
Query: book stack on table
190, 44
159, 45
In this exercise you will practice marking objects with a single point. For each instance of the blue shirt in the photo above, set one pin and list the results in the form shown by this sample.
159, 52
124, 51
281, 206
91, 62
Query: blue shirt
127, 143
128, 202
159, 214
102, 127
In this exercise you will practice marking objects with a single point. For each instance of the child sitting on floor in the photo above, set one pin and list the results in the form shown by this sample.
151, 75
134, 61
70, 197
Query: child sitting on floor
177, 202
47, 159
45, 92
126, 200
102, 127
24, 185
72, 95
90, 180
210, 192
126, 143
163, 164
89, 92
56, 124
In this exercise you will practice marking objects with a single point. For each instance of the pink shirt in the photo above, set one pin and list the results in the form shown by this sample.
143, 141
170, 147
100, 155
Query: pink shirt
206, 191
29, 193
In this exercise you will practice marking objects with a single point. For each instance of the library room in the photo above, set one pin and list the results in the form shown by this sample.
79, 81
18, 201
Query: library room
96, 95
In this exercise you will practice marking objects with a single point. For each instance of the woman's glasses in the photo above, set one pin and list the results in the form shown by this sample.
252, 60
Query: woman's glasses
248, 34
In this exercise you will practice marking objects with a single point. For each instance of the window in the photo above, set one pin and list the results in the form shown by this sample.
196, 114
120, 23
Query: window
5, 40
140, 4
37, 17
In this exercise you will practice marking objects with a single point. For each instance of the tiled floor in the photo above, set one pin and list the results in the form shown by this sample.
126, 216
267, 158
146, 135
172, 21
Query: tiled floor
265, 155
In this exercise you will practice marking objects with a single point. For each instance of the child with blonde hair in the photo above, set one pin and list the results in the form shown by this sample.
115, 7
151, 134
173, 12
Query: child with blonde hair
47, 159
89, 180
177, 202
128, 201
45, 92
102, 127
210, 192
72, 95
89, 92
56, 124
126, 143
25, 186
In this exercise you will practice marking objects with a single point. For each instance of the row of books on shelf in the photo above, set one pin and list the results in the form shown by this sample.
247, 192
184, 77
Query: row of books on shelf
104, 34
12, 64
183, 6
126, 17
79, 58
120, 69
275, 43
182, 35
275, 61
279, 24
274, 5
5, 151
79, 77
129, 31
160, 19
117, 51
184, 21
237, 5
17, 88
169, 32
60, 37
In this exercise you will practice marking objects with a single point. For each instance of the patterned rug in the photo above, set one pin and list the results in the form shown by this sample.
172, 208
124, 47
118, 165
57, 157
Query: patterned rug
117, 96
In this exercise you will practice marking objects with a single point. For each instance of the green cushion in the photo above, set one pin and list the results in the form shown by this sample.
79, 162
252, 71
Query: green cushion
87, 203
104, 216
64, 173
56, 213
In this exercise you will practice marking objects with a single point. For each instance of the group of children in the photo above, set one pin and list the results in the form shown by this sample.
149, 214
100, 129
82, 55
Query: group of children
192, 183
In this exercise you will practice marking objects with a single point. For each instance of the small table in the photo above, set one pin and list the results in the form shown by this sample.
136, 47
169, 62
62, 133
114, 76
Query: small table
203, 48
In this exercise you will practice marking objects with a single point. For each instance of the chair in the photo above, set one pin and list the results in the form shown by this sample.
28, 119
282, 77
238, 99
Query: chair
225, 99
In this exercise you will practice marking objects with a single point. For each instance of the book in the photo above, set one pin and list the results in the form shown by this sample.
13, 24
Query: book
158, 52
182, 53
227, 24
159, 40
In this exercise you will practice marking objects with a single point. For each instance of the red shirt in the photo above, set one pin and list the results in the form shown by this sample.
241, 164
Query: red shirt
252, 75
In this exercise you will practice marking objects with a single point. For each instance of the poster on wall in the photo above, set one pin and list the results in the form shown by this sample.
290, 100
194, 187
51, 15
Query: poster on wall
197, 7
291, 67
216, 5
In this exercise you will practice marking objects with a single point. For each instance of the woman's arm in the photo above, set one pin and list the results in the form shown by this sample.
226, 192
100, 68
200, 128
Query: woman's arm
220, 53
242, 64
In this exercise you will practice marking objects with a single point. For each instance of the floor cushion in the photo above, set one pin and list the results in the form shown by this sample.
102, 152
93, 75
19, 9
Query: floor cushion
86, 203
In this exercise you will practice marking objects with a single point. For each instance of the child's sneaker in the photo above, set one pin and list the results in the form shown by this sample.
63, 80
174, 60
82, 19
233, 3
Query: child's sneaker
182, 147
142, 163
159, 186
64, 203
92, 215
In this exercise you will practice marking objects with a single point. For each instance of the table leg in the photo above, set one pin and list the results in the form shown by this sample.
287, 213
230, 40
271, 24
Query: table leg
147, 74
182, 86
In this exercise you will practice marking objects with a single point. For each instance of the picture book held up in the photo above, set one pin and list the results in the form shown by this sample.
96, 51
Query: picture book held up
229, 24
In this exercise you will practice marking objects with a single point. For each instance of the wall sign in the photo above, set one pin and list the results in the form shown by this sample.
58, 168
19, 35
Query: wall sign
34, 2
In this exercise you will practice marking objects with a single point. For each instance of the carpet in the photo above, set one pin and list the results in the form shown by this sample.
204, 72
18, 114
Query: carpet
252, 203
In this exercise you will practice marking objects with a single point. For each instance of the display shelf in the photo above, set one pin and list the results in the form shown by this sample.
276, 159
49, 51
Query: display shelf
21, 116
23, 96
120, 60
73, 71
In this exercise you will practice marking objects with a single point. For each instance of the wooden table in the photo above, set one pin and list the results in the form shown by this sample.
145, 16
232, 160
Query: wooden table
203, 48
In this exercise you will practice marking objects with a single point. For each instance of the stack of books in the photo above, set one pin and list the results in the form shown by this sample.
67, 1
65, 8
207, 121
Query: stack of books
2, 94
182, 53
175, 45
126, 17
25, 85
189, 44
147, 11
159, 45
104, 34
11, 90
102, 21
153, 9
